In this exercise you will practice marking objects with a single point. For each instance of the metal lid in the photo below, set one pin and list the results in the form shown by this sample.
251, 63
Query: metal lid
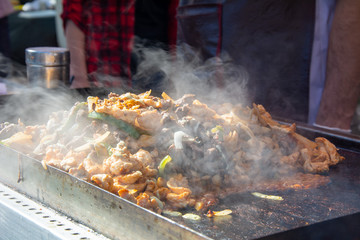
47, 56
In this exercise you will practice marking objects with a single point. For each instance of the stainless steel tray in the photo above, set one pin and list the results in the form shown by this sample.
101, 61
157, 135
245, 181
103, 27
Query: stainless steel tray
23, 218
85, 203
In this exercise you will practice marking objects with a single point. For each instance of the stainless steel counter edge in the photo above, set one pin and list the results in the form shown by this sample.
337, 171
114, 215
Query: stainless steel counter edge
87, 204
22, 218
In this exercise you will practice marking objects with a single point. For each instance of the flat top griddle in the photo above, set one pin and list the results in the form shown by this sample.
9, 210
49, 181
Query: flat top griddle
252, 217
255, 217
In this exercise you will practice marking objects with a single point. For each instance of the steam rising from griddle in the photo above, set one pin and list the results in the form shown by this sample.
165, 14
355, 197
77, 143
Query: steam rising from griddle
12, 74
214, 138
177, 74
217, 79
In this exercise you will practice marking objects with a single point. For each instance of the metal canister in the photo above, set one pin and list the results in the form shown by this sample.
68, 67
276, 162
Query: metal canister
48, 67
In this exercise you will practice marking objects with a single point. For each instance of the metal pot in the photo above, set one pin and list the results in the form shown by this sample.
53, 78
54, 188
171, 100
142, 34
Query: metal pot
48, 67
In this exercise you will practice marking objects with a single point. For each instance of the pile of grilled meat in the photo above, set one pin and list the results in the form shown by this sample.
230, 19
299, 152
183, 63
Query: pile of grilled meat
166, 154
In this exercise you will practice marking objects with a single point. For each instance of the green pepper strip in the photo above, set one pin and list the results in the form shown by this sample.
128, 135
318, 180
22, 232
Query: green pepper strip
71, 119
108, 148
163, 163
124, 126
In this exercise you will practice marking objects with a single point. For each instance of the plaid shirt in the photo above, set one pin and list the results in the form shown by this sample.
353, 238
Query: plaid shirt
108, 26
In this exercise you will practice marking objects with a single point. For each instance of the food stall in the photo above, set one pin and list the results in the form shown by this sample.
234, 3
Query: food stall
95, 164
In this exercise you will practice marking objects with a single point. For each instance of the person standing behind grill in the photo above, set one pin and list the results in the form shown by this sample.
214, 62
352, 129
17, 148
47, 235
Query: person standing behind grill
279, 44
341, 92
101, 35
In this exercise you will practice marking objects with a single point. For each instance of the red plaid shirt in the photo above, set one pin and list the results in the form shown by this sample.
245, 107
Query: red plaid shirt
108, 26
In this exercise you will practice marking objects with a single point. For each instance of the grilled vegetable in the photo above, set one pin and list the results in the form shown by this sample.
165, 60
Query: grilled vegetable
163, 163
88, 145
225, 212
124, 126
71, 119
172, 213
270, 197
191, 216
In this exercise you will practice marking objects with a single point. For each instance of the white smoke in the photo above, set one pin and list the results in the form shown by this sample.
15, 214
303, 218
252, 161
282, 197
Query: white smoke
216, 79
